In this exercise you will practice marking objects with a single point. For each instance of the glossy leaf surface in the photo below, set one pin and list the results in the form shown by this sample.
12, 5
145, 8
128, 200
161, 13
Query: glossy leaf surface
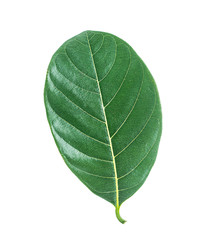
104, 111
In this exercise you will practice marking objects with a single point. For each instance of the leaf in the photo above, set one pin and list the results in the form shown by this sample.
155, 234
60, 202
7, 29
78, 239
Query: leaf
104, 112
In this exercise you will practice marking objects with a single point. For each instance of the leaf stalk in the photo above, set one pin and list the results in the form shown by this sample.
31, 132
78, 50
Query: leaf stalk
118, 215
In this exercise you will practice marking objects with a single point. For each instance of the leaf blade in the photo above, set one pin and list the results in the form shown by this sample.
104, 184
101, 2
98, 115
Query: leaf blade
104, 112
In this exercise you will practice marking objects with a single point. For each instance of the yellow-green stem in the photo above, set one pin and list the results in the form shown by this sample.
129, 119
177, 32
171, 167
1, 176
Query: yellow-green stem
118, 215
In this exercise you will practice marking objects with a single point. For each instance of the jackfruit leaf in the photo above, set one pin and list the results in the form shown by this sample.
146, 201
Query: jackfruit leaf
104, 112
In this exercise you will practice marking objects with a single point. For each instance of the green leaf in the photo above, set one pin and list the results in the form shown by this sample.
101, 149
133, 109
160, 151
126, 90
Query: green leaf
104, 112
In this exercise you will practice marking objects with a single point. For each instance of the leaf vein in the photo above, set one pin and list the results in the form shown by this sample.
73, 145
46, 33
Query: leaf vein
92, 174
139, 161
121, 84
138, 133
91, 36
113, 61
75, 103
117, 45
80, 42
93, 79
76, 127
138, 95
100, 46
92, 157
103, 108
72, 81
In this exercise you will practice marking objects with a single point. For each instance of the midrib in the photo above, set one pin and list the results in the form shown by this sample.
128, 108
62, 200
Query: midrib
106, 122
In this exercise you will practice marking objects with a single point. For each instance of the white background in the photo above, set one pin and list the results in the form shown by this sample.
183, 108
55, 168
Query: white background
39, 197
